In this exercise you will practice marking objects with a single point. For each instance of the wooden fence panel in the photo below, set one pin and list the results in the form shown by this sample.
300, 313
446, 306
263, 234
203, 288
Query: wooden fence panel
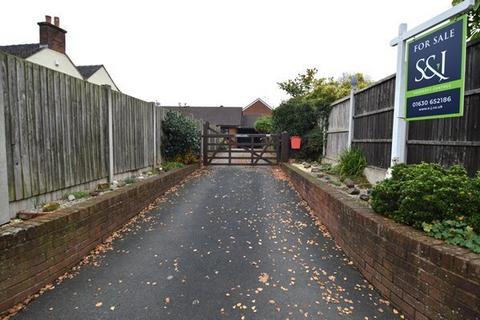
338, 126
445, 141
55, 128
133, 133
373, 121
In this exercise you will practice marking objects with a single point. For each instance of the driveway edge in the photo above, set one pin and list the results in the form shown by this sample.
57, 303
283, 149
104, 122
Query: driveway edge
421, 276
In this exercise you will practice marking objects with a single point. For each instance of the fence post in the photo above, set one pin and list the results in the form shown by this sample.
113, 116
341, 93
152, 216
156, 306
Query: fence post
285, 148
4, 198
399, 134
351, 111
206, 125
160, 133
154, 112
108, 92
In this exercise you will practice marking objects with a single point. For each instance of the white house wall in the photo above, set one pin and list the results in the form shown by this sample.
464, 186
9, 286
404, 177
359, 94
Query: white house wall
101, 77
56, 61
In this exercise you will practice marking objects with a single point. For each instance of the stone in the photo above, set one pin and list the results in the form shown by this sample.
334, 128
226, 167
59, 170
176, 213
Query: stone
71, 197
27, 215
353, 191
327, 178
94, 193
315, 169
51, 206
141, 177
364, 197
349, 183
369, 191
320, 175
103, 186
306, 165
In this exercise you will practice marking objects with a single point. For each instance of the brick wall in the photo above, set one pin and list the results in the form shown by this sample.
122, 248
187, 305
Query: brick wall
421, 276
36, 252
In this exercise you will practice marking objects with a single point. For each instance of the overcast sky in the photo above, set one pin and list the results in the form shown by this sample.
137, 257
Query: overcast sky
221, 52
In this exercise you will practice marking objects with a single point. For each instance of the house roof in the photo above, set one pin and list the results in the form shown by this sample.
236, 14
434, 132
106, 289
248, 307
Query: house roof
258, 100
22, 50
88, 71
221, 116
248, 120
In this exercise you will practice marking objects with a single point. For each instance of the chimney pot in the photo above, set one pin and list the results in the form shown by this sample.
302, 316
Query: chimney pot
51, 35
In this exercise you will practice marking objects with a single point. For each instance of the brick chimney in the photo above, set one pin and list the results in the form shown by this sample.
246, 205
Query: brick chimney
51, 35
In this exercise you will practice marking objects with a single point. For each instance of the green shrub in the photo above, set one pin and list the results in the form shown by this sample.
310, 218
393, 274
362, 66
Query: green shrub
351, 163
456, 232
424, 193
50, 206
296, 116
187, 158
264, 124
170, 165
80, 194
312, 145
180, 136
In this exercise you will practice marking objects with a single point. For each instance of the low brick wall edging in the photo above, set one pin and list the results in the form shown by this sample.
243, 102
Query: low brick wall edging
421, 276
35, 252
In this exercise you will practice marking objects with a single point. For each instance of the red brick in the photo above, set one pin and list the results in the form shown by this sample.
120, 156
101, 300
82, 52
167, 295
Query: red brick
431, 280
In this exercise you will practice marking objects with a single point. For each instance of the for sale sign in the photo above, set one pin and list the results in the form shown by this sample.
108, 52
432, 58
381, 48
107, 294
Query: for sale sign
436, 72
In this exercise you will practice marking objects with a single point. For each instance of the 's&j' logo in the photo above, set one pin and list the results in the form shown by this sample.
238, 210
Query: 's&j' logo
430, 67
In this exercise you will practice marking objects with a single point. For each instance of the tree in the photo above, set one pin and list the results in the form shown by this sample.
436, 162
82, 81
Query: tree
324, 90
264, 124
301, 85
473, 20
296, 116
306, 112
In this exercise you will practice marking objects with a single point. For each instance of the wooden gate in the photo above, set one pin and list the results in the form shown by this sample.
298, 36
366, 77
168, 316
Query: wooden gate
243, 149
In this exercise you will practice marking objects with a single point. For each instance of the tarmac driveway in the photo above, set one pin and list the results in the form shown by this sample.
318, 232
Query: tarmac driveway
234, 243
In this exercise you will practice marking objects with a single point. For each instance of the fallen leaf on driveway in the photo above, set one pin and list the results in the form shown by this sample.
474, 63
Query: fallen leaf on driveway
263, 277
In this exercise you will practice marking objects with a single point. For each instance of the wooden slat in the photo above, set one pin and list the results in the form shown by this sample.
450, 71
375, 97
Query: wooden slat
4, 82
31, 129
15, 128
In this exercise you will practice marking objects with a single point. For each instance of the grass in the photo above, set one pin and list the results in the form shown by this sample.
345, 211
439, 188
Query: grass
170, 165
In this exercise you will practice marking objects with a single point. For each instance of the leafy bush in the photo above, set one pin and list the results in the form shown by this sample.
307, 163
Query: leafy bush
180, 136
264, 124
170, 165
312, 145
50, 206
351, 163
295, 116
187, 158
424, 193
456, 232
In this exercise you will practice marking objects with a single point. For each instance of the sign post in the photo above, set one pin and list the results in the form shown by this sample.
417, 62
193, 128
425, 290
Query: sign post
430, 81
399, 137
